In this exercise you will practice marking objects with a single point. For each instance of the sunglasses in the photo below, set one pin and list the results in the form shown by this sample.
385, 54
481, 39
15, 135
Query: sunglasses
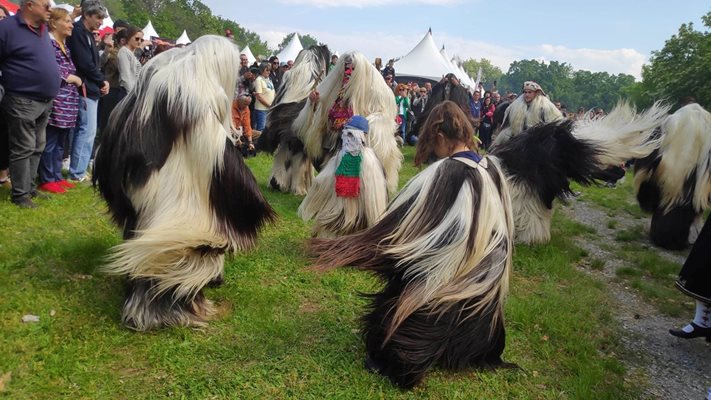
96, 34
137, 39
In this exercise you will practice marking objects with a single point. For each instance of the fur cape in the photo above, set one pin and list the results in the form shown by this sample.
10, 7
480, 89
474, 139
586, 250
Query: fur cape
443, 249
177, 185
674, 182
520, 116
541, 161
368, 95
292, 170
337, 216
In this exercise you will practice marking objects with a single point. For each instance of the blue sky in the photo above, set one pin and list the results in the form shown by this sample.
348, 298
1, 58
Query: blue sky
598, 35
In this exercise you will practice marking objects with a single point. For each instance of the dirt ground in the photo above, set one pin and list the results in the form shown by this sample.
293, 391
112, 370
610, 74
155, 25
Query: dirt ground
665, 366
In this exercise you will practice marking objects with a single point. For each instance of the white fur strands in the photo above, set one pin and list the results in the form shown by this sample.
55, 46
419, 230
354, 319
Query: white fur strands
295, 179
443, 250
291, 170
520, 116
685, 150
337, 216
309, 68
177, 185
451, 273
532, 218
622, 134
366, 93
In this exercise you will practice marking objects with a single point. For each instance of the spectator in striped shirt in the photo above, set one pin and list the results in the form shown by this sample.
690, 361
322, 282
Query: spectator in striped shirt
64, 112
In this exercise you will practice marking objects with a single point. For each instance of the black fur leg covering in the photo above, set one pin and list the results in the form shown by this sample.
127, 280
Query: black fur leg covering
425, 340
143, 310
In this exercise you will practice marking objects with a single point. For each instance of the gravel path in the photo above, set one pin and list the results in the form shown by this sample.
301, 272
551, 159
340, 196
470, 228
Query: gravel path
667, 367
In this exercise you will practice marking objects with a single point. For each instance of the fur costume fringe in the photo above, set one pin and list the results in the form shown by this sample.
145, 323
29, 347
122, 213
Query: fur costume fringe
337, 216
292, 171
541, 161
520, 116
176, 183
443, 249
368, 95
674, 183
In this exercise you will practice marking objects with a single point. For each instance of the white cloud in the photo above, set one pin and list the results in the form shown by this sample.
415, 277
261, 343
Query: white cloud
388, 45
368, 3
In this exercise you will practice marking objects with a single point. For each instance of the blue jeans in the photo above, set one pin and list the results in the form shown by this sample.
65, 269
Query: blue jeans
261, 119
50, 168
83, 136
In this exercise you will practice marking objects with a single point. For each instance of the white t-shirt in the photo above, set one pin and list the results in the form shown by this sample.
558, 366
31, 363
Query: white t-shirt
265, 87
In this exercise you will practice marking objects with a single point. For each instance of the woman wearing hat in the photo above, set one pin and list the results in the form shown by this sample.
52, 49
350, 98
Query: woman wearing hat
530, 109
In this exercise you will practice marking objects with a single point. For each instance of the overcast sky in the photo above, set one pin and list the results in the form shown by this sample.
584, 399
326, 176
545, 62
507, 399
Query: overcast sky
598, 35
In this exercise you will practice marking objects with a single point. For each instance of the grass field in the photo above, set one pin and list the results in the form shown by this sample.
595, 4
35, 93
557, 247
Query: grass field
283, 332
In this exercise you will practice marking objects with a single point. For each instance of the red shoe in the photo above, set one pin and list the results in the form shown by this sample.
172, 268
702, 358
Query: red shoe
52, 187
63, 183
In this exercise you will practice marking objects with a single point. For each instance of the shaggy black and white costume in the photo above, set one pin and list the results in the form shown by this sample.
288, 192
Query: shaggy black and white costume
177, 185
674, 183
292, 170
519, 116
336, 214
443, 249
366, 94
540, 162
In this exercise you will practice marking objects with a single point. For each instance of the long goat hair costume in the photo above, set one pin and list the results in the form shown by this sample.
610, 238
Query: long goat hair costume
443, 249
292, 170
520, 116
540, 162
177, 185
368, 95
337, 215
674, 182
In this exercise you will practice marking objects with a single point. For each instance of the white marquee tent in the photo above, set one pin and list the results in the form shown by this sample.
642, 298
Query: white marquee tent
250, 57
463, 77
149, 31
291, 50
183, 39
423, 61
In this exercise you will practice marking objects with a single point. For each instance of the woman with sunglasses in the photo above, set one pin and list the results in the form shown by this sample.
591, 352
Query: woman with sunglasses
128, 64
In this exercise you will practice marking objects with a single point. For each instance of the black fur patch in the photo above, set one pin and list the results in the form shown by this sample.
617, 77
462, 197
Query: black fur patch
235, 197
546, 156
671, 230
130, 150
440, 92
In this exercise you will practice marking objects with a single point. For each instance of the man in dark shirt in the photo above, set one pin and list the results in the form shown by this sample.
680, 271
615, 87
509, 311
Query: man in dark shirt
30, 77
85, 56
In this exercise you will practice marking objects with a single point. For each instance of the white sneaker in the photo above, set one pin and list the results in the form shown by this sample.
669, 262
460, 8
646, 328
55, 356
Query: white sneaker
65, 164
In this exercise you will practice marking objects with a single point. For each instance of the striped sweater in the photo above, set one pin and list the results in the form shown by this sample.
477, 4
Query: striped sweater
66, 104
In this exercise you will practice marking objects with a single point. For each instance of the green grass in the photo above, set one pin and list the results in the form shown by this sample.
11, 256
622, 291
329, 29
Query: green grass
651, 275
284, 332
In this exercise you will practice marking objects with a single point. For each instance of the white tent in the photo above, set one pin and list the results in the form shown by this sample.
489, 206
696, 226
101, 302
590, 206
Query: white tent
291, 50
149, 32
250, 56
463, 78
183, 39
423, 61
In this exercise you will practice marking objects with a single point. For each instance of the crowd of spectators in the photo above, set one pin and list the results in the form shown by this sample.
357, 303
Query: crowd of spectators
60, 81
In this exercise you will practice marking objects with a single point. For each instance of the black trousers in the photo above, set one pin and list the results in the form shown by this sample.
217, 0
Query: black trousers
695, 276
